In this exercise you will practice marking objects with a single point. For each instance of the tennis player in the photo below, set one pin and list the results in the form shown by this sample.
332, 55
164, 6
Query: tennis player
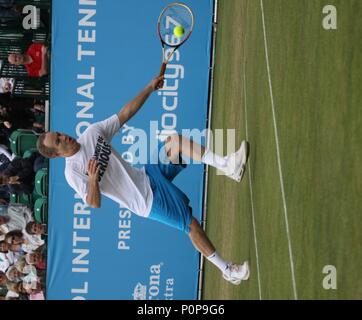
93, 168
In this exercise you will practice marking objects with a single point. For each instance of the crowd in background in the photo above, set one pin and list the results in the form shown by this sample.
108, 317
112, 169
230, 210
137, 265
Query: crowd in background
22, 239
22, 253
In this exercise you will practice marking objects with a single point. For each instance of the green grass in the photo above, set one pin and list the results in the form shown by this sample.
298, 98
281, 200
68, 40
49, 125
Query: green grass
316, 77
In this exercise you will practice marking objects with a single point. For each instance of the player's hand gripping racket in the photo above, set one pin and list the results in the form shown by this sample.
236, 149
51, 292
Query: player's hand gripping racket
175, 26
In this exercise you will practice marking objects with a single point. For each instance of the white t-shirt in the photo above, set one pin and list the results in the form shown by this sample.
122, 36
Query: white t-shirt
33, 241
4, 262
119, 181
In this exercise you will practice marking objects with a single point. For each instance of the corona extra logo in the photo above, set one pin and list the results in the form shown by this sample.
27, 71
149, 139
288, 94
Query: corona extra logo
141, 291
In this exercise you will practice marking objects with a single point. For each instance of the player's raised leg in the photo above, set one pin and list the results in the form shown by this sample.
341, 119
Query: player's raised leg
232, 165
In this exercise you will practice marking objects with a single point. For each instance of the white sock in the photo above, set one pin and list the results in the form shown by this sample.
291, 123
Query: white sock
218, 261
214, 160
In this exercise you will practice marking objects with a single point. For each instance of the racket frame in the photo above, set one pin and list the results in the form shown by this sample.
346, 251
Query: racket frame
176, 46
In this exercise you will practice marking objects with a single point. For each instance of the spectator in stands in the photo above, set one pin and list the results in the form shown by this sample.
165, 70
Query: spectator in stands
33, 228
4, 136
3, 278
20, 174
20, 288
21, 271
5, 157
19, 184
6, 247
8, 259
39, 107
35, 60
28, 243
17, 117
9, 11
11, 294
16, 217
35, 233
6, 85
16, 291
3, 227
36, 259
4, 197
13, 274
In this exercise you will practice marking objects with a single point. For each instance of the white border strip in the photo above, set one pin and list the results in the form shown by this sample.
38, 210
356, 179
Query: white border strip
278, 154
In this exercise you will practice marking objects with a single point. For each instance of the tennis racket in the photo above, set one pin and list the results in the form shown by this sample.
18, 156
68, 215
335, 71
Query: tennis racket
174, 15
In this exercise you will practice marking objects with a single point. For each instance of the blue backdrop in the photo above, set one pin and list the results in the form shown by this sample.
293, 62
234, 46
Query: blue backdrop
103, 53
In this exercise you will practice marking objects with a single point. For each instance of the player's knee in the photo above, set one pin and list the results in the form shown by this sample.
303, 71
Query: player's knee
172, 145
174, 140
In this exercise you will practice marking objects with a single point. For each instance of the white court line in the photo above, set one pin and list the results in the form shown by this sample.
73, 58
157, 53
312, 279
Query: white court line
250, 184
251, 192
278, 154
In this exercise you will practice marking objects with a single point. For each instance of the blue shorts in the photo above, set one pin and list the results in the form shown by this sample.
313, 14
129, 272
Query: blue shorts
170, 205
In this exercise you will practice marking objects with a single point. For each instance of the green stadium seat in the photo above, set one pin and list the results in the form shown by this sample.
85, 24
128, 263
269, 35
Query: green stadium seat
35, 196
41, 210
41, 182
26, 199
28, 153
22, 141
13, 198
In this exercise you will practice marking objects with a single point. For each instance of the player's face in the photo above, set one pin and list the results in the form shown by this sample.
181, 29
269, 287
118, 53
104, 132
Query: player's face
62, 143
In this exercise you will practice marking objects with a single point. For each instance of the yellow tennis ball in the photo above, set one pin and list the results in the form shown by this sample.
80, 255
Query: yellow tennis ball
178, 31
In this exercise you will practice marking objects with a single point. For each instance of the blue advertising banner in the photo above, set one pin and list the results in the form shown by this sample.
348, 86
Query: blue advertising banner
103, 53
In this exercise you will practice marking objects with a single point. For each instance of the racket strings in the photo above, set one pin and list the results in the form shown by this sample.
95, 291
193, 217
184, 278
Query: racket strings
176, 15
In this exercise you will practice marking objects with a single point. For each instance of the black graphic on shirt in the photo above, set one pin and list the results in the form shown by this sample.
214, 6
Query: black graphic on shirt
102, 155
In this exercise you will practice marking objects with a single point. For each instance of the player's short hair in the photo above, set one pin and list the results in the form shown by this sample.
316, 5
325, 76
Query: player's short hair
43, 150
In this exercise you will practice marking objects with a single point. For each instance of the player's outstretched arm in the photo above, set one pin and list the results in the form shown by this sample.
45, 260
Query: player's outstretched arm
131, 108
94, 195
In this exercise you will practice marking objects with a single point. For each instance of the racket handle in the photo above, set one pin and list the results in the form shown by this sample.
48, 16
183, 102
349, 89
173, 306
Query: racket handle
163, 69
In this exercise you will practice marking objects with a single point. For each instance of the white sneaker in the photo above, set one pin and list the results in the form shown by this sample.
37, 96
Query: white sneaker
235, 273
237, 162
